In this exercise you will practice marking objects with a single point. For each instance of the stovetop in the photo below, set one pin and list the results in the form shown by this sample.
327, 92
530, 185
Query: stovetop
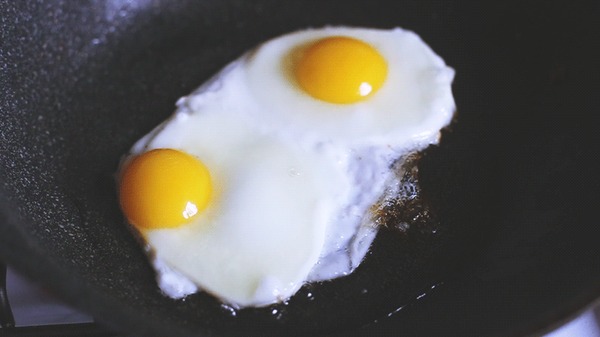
36, 312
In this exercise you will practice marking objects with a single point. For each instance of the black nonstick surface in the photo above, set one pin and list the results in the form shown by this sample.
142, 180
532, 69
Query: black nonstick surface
514, 182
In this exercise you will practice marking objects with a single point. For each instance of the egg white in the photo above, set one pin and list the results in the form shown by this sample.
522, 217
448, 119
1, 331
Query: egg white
264, 229
295, 177
414, 102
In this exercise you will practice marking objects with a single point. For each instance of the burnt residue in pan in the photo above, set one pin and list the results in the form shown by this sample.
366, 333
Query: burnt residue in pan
403, 206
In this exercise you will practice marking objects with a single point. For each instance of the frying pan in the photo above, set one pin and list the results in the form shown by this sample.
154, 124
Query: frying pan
514, 181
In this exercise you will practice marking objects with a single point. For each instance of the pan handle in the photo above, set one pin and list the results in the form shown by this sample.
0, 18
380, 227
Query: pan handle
7, 319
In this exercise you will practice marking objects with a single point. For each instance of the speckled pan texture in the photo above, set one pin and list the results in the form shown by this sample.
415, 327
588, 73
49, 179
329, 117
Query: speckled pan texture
514, 184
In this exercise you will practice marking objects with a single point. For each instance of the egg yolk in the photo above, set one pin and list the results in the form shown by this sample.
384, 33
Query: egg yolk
341, 70
164, 188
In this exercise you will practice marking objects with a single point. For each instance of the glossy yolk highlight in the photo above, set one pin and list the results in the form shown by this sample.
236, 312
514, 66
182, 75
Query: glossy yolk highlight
164, 188
341, 70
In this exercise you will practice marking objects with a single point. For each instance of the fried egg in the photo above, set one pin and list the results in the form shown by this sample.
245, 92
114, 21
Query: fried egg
263, 178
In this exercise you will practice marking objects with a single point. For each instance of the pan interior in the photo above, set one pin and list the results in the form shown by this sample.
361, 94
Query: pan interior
513, 181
